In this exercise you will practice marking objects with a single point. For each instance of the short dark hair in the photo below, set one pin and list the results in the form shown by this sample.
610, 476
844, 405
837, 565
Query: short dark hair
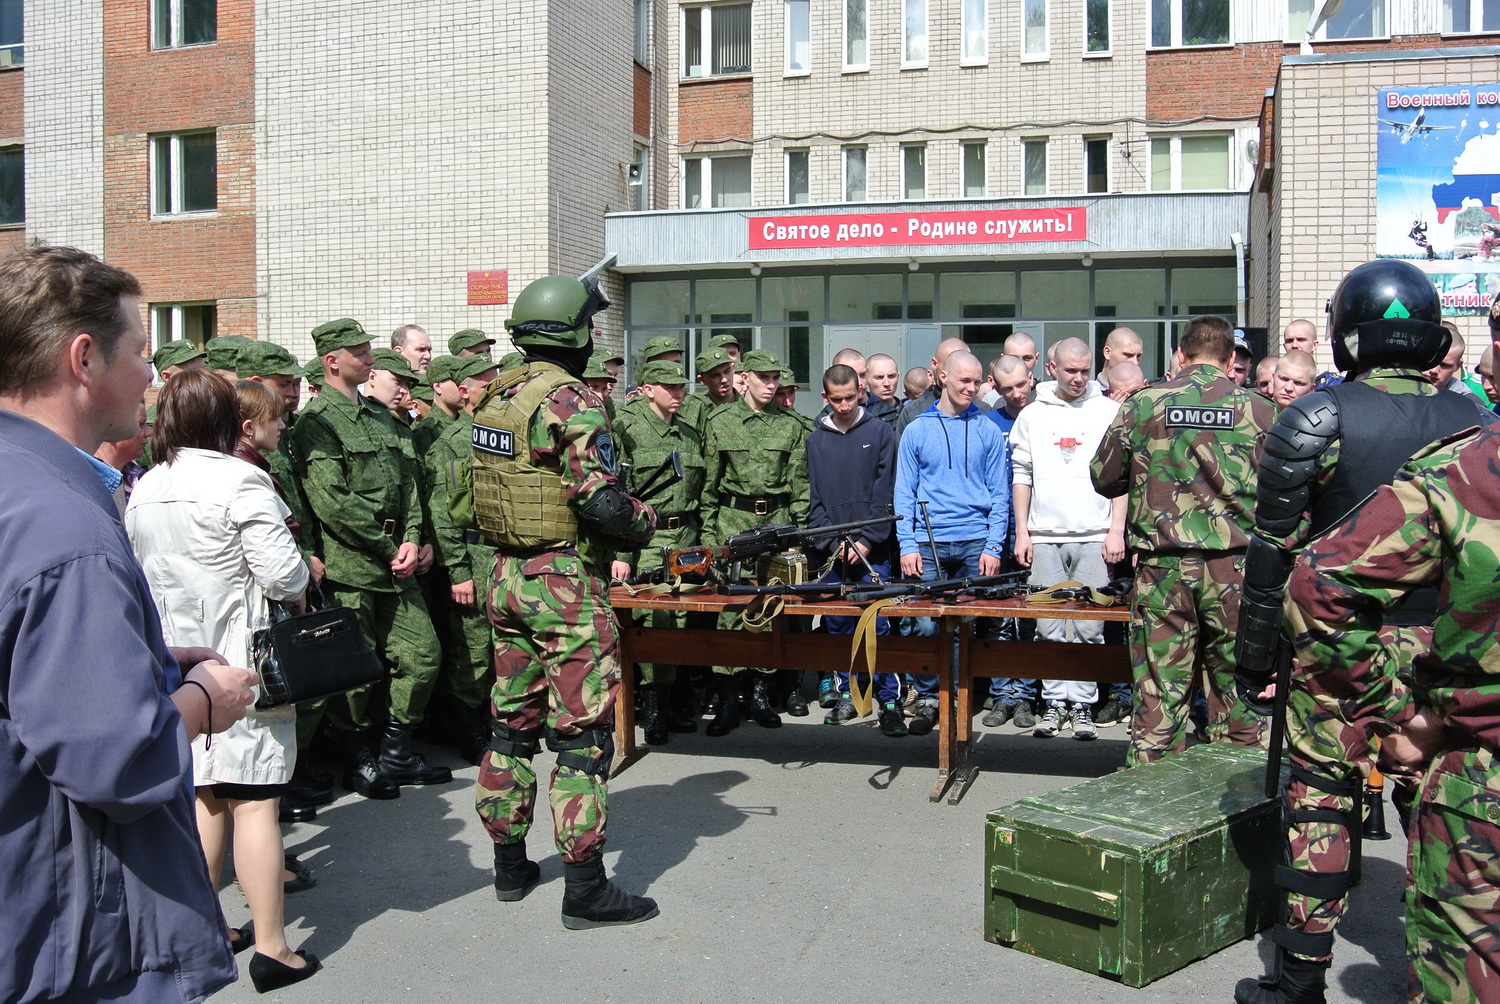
49, 294
197, 410
839, 375
1209, 337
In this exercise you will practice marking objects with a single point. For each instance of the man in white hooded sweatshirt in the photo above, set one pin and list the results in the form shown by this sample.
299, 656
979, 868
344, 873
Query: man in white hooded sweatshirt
1064, 529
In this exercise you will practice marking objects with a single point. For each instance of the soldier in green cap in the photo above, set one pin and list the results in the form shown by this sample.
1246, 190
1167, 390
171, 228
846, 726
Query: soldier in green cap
365, 499
447, 403
222, 352
390, 382
786, 396
729, 343
601, 378
470, 342
665, 348
755, 452
466, 558
650, 430
547, 494
511, 360
176, 356
274, 366
313, 374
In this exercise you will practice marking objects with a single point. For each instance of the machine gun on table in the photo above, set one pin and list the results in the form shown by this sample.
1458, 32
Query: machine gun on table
722, 563
986, 587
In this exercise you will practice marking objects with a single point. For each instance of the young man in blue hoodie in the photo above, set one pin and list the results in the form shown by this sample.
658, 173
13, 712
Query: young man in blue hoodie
952, 458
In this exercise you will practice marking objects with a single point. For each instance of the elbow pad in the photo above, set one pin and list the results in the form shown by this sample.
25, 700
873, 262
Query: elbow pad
611, 512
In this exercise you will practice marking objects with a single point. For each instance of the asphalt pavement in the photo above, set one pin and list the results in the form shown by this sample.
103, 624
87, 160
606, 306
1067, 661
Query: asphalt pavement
804, 863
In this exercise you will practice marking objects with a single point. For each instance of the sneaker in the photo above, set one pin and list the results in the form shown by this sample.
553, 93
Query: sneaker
1052, 721
843, 711
1023, 717
1083, 722
891, 722
1113, 713
909, 702
924, 720
1000, 713
828, 694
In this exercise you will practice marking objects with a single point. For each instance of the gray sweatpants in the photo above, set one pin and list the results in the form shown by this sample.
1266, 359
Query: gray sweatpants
1079, 561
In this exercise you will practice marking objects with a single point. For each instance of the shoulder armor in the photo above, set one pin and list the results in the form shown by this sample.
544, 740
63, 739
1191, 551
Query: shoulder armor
1301, 435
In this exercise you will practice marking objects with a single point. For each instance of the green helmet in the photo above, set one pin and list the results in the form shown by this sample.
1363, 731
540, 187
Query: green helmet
555, 310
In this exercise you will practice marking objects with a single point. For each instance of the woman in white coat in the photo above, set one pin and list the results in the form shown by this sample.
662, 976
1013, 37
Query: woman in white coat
212, 537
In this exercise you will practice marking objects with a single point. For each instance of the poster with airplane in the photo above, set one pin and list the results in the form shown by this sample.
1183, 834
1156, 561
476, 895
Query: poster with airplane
1437, 187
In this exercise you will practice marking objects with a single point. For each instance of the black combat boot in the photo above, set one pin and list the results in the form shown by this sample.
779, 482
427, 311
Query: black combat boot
404, 765
727, 718
475, 739
592, 900
653, 719
515, 876
679, 708
796, 704
1297, 982
363, 776
760, 702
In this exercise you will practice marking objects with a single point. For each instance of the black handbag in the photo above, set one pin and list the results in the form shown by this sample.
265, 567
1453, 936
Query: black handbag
306, 657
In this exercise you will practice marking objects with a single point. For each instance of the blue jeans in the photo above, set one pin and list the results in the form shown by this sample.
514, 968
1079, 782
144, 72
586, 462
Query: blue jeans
887, 685
957, 559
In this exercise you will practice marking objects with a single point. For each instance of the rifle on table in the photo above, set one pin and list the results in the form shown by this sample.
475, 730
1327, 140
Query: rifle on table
706, 561
1000, 586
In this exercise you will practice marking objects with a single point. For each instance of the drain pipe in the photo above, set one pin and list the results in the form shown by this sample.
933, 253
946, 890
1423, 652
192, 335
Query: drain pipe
1238, 240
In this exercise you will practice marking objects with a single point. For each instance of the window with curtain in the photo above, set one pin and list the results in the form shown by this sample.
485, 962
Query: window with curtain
716, 40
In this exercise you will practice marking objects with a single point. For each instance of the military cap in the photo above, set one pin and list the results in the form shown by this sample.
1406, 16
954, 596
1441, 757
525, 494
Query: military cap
344, 333
607, 357
511, 360
470, 367
719, 341
468, 338
175, 353
421, 391
445, 367
313, 371
662, 372
1241, 343
394, 362
659, 345
711, 360
760, 361
787, 373
262, 359
223, 352
595, 370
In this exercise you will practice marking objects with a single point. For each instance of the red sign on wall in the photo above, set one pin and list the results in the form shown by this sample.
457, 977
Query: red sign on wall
489, 287
992, 226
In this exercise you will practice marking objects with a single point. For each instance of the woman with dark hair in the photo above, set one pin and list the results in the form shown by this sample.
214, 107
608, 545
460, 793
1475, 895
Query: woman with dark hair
211, 534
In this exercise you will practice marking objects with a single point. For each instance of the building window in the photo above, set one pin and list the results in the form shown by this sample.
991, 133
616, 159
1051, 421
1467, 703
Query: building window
1034, 161
196, 322
638, 179
914, 170
974, 157
716, 181
12, 33
1353, 20
643, 32
1459, 16
715, 39
914, 30
856, 36
12, 185
1034, 29
1096, 27
798, 37
185, 173
176, 23
855, 158
1096, 164
1190, 22
797, 187
1189, 163
976, 33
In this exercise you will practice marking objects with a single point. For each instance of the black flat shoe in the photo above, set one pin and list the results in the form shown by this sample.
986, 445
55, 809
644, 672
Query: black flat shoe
267, 974
241, 938
297, 813
304, 875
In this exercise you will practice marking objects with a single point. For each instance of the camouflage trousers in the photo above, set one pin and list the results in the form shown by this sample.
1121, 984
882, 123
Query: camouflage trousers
1183, 617
1453, 882
557, 671
399, 629
730, 522
1329, 735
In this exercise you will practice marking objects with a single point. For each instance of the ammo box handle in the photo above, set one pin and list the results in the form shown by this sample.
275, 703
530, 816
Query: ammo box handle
1105, 905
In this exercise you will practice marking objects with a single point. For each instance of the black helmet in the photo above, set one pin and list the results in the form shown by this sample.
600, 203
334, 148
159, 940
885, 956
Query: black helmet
1386, 313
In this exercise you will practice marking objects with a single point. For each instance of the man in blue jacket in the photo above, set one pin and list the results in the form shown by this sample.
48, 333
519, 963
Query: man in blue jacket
953, 459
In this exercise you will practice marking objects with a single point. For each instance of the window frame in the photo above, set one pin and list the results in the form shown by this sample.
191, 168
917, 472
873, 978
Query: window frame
175, 174
1175, 15
1109, 29
14, 53
176, 327
1174, 169
1322, 33
1088, 143
1045, 53
1476, 14
789, 6
174, 16
864, 6
788, 154
705, 13
642, 40
983, 146
706, 178
19, 149
907, 63
964, 57
845, 152
907, 149
1027, 144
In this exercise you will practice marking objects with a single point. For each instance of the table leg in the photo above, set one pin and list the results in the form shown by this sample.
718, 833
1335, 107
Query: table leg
963, 688
953, 754
626, 750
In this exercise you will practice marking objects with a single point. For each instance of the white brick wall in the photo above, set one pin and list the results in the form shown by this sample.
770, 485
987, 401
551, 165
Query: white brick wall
64, 110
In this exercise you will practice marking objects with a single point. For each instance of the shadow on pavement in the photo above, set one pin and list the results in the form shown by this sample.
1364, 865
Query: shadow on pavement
696, 805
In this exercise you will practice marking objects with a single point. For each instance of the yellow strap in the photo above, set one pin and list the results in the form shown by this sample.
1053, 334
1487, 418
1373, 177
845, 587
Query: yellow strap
672, 587
1048, 597
864, 634
761, 611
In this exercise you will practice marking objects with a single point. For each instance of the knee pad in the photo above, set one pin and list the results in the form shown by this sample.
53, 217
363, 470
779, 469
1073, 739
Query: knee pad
519, 743
566, 748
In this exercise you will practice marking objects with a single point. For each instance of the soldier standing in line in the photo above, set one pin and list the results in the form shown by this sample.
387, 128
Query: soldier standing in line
755, 453
470, 342
547, 494
650, 430
222, 353
172, 358
1186, 451
355, 473
601, 379
447, 403
716, 374
467, 561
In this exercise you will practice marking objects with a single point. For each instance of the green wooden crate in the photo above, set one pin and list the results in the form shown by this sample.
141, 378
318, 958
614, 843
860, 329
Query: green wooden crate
1139, 873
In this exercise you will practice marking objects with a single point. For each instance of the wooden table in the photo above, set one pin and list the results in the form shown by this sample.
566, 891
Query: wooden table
953, 654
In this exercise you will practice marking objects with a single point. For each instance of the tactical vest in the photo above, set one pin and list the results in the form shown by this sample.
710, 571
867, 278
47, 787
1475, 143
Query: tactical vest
517, 505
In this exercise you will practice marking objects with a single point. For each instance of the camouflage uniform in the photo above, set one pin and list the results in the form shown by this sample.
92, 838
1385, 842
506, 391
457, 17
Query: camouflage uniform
645, 441
756, 474
356, 474
556, 648
1436, 526
1186, 452
429, 430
